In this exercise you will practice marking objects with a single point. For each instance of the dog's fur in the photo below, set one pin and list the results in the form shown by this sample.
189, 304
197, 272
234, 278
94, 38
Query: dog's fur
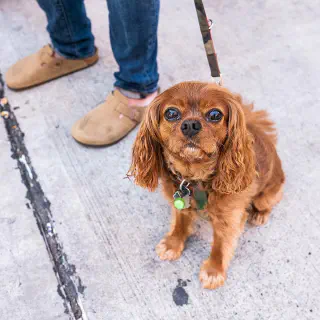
234, 160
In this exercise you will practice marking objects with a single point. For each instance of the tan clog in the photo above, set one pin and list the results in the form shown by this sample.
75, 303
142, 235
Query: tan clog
109, 122
43, 66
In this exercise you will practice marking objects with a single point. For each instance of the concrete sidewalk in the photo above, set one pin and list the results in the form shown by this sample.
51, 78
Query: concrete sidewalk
269, 52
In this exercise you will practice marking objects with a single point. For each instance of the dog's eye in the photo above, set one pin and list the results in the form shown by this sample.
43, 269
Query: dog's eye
214, 115
172, 114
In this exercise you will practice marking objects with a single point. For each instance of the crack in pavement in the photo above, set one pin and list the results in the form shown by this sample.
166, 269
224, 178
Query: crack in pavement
69, 284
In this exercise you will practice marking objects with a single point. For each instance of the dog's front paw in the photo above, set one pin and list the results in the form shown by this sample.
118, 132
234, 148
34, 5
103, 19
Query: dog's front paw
210, 276
259, 218
170, 248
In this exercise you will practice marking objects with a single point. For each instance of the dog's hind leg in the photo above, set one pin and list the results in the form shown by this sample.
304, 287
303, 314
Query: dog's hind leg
262, 204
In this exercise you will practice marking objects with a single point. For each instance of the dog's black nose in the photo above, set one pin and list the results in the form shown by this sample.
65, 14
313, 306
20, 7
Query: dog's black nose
190, 127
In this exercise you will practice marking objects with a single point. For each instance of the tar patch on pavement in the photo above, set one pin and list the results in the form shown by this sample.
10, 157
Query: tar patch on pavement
179, 295
69, 284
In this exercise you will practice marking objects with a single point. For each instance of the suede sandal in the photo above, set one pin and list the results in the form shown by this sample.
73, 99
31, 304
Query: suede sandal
108, 122
42, 67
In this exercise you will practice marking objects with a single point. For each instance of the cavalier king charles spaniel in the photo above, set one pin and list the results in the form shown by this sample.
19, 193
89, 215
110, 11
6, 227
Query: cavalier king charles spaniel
213, 154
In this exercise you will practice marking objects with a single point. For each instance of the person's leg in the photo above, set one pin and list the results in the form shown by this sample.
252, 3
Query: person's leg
69, 28
133, 36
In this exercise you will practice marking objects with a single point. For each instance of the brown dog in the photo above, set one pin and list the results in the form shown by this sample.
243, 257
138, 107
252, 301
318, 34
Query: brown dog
205, 136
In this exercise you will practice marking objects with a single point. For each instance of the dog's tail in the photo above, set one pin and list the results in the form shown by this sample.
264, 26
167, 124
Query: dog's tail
260, 119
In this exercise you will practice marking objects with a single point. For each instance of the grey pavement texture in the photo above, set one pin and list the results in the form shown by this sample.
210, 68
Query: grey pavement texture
269, 52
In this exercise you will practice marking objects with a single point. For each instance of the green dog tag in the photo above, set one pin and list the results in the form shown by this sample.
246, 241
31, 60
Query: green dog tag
179, 203
182, 196
201, 198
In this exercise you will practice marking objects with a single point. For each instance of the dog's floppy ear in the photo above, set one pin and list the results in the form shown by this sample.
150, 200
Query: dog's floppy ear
147, 158
236, 164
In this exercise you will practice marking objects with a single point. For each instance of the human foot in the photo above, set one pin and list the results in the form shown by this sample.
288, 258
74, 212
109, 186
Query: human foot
110, 121
43, 66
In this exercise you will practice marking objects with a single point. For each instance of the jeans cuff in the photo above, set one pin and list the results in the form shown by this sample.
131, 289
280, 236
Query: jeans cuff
133, 87
72, 57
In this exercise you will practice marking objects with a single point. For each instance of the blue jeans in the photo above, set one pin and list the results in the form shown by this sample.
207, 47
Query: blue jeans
133, 37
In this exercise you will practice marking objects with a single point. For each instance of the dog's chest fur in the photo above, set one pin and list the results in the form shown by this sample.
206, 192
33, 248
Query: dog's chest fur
196, 171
